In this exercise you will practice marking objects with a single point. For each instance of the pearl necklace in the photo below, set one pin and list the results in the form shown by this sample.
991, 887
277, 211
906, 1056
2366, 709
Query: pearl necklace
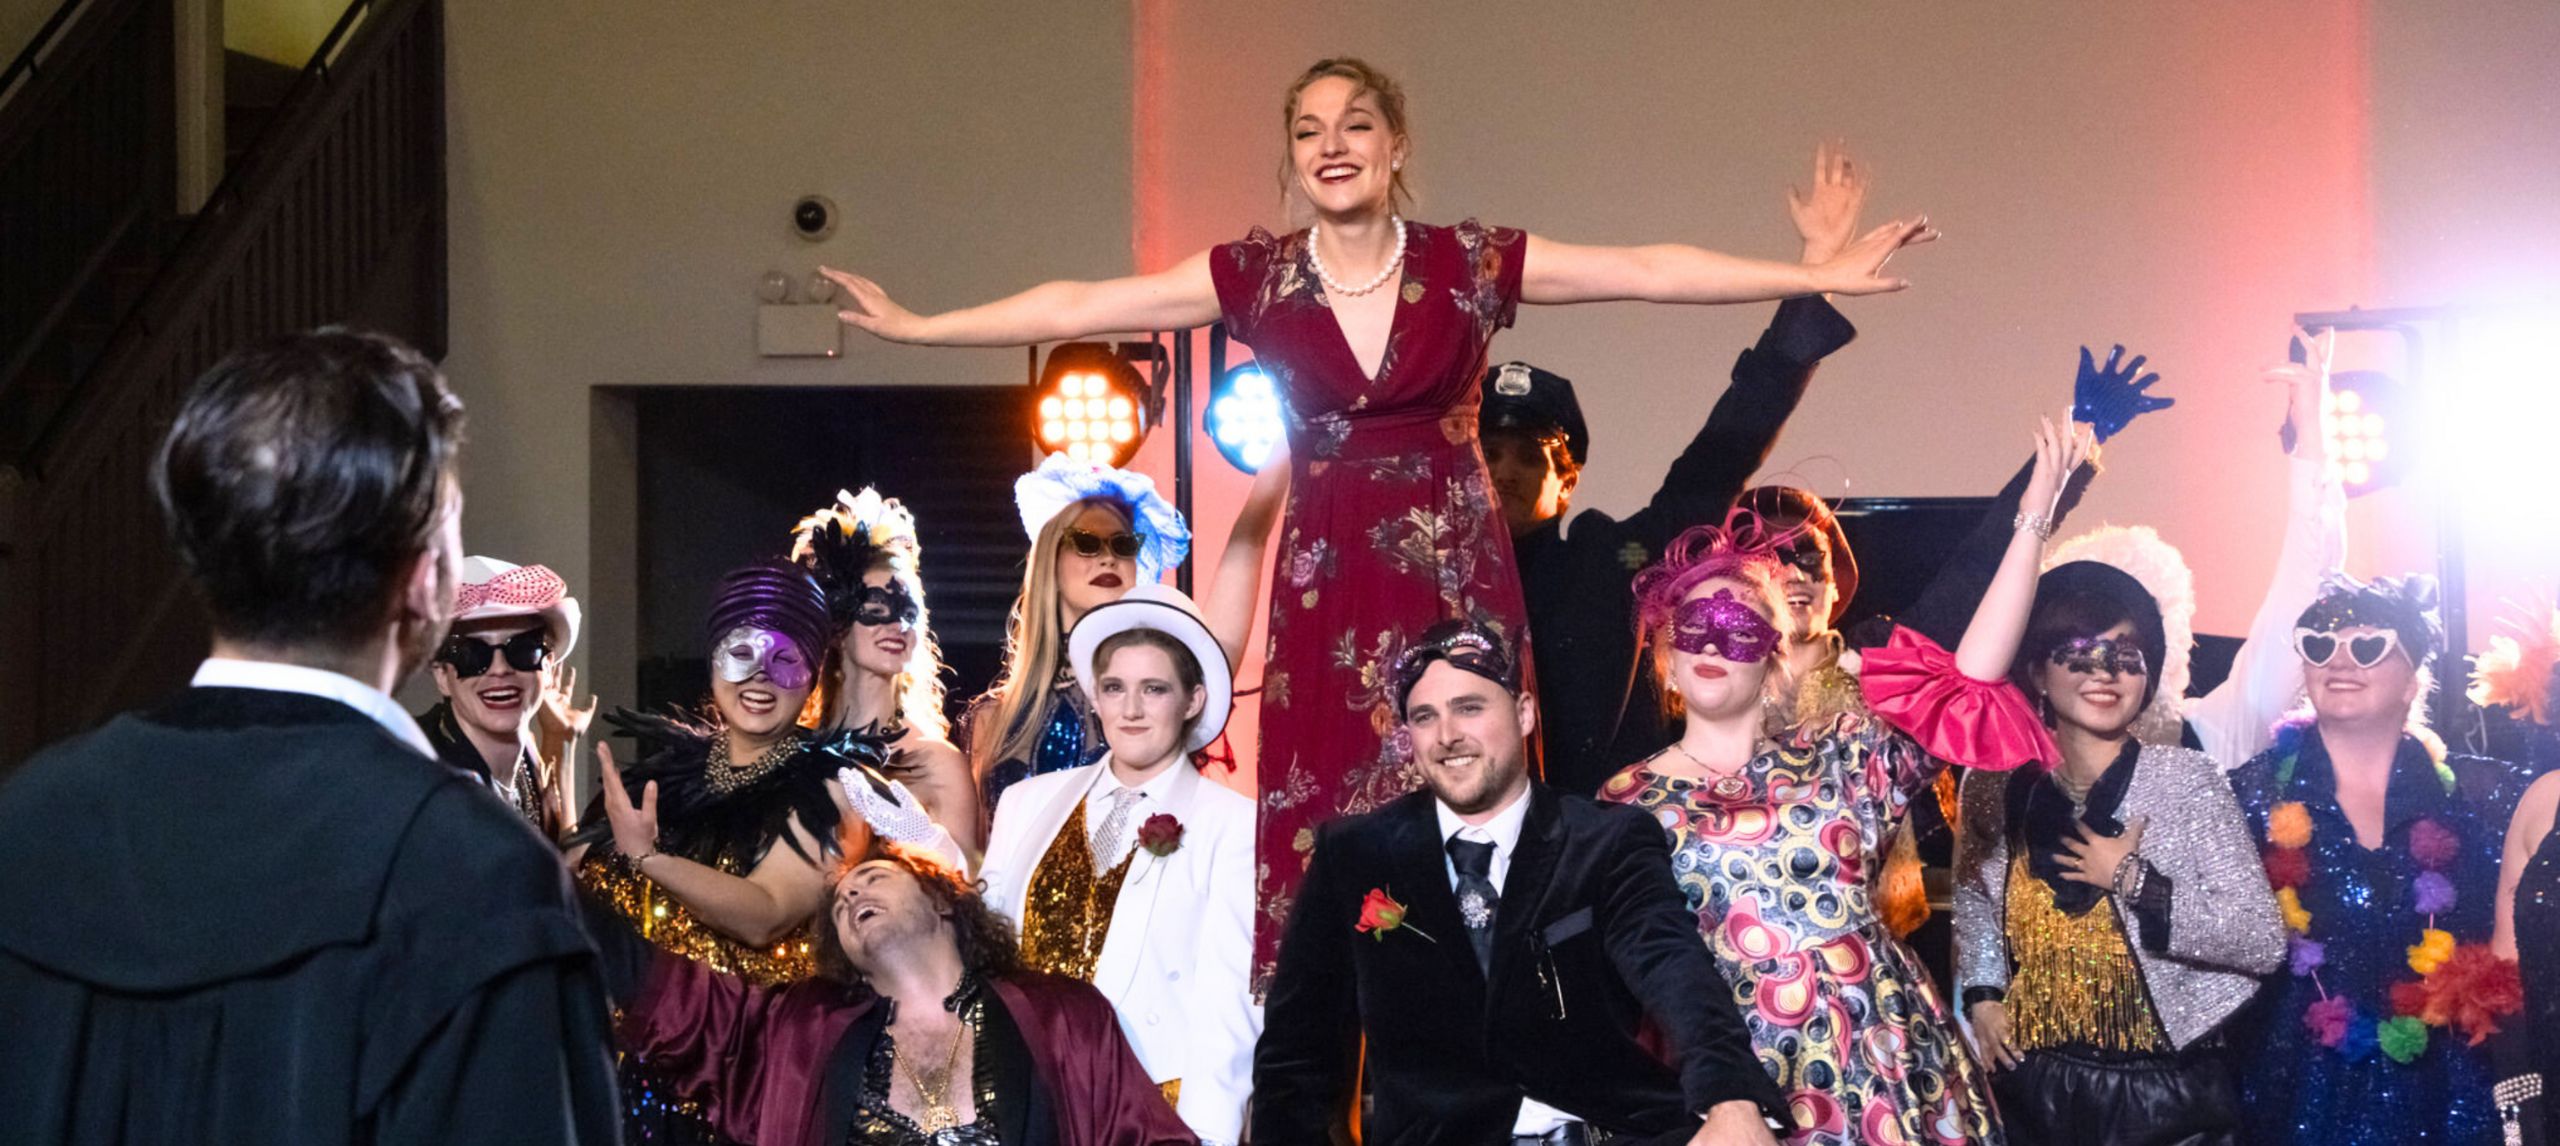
1315, 254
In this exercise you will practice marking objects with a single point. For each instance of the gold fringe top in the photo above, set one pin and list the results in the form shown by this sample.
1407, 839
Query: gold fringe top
2076, 982
1066, 913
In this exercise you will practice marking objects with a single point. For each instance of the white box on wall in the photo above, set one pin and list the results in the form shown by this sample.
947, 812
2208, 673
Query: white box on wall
798, 331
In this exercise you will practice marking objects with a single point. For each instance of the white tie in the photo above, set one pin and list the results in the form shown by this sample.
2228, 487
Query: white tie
1108, 839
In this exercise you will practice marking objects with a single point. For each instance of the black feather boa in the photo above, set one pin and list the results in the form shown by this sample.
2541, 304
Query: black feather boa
730, 831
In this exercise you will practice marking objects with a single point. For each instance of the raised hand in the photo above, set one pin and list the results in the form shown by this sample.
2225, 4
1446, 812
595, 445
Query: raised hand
867, 307
2306, 378
1826, 212
1859, 267
2059, 452
2110, 397
893, 815
635, 827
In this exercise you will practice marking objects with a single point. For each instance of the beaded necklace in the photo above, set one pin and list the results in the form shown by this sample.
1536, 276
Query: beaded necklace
723, 776
2467, 988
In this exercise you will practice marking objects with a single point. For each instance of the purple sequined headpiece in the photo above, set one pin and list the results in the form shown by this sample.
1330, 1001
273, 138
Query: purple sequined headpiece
1745, 548
773, 595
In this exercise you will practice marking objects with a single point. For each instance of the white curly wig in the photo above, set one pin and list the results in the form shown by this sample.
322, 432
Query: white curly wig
2141, 553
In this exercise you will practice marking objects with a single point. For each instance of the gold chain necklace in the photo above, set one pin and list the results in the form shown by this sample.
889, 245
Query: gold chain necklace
724, 776
1724, 785
940, 1113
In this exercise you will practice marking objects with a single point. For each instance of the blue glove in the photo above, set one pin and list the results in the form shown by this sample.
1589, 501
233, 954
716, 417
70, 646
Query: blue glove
2110, 398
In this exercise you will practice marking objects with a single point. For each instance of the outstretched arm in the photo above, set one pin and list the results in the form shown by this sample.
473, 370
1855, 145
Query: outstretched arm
1174, 299
2106, 399
1236, 588
1991, 641
1769, 379
1555, 273
2233, 721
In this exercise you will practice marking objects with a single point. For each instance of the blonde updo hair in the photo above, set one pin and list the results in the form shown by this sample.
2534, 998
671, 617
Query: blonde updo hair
1365, 79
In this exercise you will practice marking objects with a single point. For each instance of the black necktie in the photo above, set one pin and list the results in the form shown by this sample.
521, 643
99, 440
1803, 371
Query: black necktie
1476, 897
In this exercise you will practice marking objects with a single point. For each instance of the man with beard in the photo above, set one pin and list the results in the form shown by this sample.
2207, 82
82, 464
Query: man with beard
922, 1027
263, 911
1496, 944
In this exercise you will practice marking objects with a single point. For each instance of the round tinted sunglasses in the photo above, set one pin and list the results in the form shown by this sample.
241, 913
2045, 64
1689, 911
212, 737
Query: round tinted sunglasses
2366, 650
527, 651
1122, 545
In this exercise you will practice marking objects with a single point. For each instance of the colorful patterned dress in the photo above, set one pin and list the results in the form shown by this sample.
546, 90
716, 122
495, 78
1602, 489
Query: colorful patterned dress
1391, 524
1778, 862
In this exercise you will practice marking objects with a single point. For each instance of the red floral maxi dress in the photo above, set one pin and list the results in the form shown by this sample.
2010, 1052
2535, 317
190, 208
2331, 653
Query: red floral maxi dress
1391, 524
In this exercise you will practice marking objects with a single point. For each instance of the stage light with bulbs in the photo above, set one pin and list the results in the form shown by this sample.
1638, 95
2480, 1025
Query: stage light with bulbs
1244, 420
1092, 404
2364, 411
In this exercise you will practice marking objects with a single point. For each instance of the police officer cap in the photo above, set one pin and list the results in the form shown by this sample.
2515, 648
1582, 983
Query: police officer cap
1522, 397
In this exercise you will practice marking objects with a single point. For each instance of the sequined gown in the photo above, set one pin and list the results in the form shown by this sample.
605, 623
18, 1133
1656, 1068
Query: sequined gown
1391, 524
2295, 1089
726, 818
1777, 861
1070, 737
2538, 955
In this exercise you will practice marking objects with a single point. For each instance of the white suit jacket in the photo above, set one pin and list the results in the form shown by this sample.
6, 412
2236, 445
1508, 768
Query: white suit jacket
1177, 963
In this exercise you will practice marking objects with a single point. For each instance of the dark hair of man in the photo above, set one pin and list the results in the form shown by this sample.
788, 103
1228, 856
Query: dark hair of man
988, 949
301, 480
1555, 442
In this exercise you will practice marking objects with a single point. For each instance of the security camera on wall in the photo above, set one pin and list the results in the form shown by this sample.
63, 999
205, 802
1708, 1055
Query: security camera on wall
814, 217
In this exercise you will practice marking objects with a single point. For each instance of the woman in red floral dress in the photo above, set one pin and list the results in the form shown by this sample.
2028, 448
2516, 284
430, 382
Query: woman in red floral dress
1375, 330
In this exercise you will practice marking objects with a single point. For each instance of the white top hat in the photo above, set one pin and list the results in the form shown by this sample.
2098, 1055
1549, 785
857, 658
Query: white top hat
1148, 605
494, 588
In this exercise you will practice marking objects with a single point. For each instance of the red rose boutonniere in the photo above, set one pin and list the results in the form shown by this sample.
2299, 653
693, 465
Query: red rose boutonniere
1380, 913
1161, 835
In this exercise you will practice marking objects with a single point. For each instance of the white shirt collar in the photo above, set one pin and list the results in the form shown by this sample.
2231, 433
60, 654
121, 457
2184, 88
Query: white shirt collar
272, 676
1157, 788
1503, 829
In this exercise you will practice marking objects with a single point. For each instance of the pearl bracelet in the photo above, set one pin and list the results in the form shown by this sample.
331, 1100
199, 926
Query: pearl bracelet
2041, 525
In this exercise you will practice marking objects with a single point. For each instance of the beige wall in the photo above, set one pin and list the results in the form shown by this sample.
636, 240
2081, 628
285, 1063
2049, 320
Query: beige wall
621, 176
2177, 177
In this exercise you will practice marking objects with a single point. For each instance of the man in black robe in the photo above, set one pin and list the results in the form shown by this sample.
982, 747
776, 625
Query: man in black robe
263, 912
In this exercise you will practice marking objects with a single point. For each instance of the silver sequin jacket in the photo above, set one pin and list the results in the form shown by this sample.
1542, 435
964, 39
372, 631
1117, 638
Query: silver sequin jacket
2224, 929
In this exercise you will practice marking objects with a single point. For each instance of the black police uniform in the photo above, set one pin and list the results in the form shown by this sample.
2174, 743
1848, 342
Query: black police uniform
1600, 705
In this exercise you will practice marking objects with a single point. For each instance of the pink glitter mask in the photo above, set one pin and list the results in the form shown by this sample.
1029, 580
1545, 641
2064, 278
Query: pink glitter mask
748, 650
1735, 631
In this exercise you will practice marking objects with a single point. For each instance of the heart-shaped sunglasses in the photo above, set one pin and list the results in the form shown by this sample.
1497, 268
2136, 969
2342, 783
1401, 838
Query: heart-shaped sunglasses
2366, 650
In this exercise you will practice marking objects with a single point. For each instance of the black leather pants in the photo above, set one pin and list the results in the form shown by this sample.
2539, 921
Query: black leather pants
2064, 1099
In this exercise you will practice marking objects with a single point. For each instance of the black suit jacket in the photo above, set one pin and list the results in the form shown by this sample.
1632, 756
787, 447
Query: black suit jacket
1600, 704
1592, 936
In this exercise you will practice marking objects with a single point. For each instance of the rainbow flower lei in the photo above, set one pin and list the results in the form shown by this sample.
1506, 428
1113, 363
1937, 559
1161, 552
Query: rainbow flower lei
2466, 988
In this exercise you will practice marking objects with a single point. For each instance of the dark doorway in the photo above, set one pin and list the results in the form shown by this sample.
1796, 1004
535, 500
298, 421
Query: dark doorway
724, 473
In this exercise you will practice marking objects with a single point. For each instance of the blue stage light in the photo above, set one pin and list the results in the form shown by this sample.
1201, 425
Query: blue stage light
1244, 419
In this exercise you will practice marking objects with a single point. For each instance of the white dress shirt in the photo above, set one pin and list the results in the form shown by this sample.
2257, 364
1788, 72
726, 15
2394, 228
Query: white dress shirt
1503, 832
272, 676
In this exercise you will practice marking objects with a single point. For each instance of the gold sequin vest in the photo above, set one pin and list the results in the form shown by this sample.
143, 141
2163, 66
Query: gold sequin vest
1066, 913
2076, 981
